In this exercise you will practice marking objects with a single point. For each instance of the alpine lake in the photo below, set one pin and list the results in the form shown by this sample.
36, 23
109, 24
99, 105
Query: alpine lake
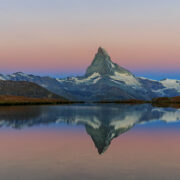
90, 142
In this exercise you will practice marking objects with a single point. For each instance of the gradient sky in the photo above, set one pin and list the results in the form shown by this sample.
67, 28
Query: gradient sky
60, 37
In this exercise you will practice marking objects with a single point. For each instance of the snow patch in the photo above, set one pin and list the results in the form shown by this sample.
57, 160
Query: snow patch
112, 65
143, 78
171, 84
94, 78
128, 79
1, 78
14, 75
60, 80
160, 92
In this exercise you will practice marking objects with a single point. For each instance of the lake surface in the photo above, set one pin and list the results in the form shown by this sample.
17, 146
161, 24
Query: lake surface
128, 142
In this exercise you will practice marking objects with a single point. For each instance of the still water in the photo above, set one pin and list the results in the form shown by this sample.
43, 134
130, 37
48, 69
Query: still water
90, 142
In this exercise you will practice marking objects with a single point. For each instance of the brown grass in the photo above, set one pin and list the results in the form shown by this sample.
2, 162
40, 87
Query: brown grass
20, 100
129, 101
167, 102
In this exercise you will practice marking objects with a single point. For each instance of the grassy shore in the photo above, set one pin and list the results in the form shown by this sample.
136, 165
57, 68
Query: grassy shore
8, 100
173, 102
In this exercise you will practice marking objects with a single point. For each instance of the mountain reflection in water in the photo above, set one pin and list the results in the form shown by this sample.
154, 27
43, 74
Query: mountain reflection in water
102, 122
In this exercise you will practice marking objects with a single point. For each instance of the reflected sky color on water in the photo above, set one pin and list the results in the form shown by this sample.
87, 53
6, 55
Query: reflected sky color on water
89, 142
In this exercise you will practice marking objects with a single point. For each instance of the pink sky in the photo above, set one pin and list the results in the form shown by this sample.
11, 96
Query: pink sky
62, 37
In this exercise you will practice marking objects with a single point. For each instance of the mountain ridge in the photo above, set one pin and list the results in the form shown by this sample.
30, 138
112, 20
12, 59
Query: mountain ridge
26, 89
103, 80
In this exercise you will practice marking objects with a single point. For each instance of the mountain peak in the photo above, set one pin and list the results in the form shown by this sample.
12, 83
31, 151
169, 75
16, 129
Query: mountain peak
102, 51
18, 73
103, 64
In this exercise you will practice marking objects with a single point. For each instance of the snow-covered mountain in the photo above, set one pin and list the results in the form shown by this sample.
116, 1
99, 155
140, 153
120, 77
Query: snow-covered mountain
162, 88
103, 80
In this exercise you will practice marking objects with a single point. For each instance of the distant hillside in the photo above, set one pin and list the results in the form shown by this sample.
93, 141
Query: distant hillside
26, 89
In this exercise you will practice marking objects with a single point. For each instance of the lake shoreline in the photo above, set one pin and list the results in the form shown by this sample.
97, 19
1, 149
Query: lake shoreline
8, 100
163, 105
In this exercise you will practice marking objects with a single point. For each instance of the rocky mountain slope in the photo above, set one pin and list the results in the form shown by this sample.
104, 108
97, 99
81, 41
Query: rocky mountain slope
26, 89
103, 80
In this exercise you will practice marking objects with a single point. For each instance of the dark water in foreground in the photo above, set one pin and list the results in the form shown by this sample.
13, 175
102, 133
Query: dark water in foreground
89, 142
